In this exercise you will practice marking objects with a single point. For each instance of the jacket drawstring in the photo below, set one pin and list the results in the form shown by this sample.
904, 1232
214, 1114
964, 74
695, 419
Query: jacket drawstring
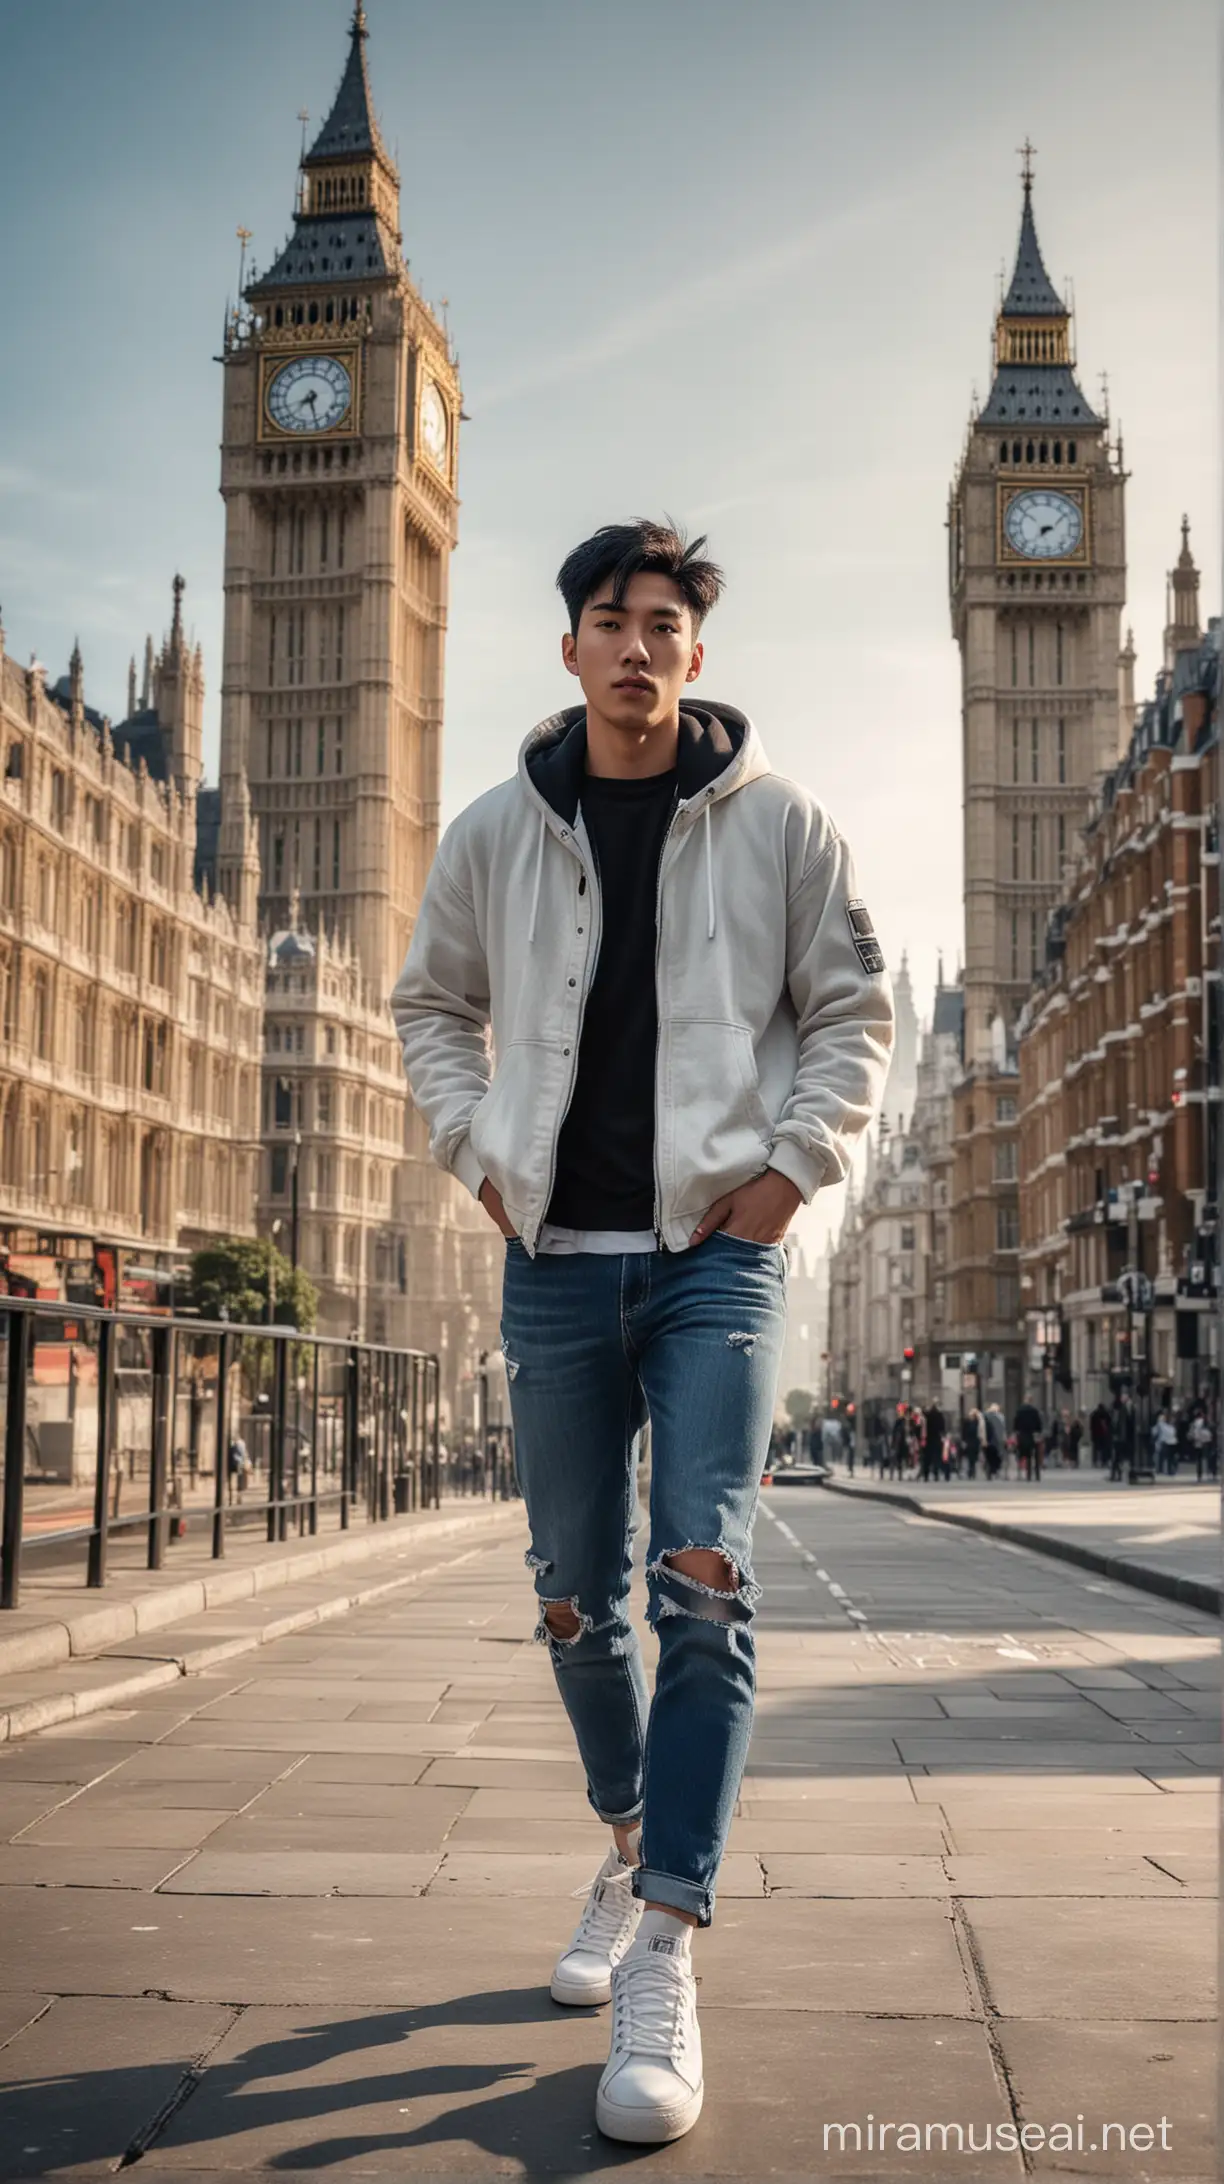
709, 865
535, 892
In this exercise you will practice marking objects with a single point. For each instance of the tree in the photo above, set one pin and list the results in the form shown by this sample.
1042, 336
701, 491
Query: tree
234, 1279
799, 1404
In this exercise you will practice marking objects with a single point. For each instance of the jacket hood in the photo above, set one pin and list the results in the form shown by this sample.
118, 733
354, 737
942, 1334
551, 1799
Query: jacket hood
717, 744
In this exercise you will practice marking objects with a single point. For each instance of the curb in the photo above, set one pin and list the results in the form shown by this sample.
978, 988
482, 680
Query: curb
1191, 1592
26, 1716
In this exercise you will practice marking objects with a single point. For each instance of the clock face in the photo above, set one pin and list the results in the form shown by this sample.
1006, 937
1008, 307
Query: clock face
1043, 526
435, 425
310, 394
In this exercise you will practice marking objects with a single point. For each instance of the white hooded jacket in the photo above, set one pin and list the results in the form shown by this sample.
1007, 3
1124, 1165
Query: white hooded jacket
775, 1009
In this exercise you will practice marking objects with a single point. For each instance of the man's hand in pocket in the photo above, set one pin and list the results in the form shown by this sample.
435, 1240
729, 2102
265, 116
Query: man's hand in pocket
491, 1200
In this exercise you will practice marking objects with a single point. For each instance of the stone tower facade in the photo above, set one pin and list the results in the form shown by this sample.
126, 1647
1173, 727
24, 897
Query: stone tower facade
1037, 579
1037, 582
339, 473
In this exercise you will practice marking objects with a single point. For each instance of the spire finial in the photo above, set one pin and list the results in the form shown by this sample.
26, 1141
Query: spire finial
176, 626
244, 237
359, 26
1027, 153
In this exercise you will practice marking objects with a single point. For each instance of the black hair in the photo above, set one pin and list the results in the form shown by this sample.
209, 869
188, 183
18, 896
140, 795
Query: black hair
624, 550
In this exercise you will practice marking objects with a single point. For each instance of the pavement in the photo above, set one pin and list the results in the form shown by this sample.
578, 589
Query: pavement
1164, 1537
66, 1651
295, 1916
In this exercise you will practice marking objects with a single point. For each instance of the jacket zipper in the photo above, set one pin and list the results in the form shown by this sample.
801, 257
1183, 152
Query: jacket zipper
587, 981
658, 1193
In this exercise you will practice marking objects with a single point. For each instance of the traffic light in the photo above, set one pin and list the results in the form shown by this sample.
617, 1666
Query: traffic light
836, 1403
849, 1410
908, 1354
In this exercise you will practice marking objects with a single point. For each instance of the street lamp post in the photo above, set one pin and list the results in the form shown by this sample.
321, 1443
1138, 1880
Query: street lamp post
293, 1219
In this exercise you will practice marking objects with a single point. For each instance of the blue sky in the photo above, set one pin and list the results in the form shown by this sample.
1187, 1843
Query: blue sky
736, 259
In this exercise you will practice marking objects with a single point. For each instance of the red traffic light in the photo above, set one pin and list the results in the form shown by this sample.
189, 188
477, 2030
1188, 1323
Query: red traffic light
836, 1403
908, 1355
849, 1410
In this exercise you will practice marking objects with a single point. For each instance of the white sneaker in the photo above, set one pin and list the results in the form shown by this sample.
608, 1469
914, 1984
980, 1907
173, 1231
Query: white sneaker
583, 1972
652, 2087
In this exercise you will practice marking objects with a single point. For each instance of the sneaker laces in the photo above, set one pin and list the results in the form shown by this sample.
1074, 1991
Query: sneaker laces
652, 1998
604, 1914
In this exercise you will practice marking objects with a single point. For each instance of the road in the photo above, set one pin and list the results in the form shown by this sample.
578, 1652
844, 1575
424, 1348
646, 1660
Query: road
296, 1916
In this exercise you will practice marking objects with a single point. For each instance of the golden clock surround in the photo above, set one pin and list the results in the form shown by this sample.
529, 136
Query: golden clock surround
272, 360
1011, 489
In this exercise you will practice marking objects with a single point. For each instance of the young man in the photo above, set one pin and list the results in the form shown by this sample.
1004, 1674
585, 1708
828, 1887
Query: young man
691, 1021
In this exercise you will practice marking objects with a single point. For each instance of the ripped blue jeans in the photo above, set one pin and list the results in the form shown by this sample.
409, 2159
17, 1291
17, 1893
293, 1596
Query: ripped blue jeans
594, 1345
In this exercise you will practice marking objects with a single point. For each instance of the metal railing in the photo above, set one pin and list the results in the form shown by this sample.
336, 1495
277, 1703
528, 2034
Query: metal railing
126, 1431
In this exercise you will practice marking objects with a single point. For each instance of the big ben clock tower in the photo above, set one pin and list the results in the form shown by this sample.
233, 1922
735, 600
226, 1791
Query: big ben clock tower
339, 473
1037, 582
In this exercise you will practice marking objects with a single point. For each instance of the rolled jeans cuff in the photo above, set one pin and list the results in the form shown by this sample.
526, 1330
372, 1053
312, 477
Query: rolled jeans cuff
651, 1886
618, 1819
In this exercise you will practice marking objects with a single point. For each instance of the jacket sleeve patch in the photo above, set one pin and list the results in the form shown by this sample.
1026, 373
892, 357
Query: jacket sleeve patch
870, 953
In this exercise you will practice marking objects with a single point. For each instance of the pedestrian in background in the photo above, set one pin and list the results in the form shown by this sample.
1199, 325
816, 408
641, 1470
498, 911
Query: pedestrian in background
1164, 1444
934, 1426
1075, 1435
1028, 1426
996, 1441
898, 1444
1100, 1433
1204, 1446
971, 1441
1122, 1436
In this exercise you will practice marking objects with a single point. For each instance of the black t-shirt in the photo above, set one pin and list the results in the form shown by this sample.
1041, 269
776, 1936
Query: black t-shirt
605, 1154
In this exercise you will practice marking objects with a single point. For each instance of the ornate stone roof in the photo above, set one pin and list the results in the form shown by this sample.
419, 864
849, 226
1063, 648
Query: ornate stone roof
351, 127
1044, 393
1032, 293
330, 247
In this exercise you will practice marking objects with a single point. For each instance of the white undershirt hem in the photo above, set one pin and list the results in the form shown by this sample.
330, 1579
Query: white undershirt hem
605, 1241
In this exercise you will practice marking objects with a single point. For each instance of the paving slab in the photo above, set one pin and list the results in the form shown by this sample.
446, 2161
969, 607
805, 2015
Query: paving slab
1107, 1959
267, 1949
1119, 1873
822, 1956
503, 2086
78, 2086
86, 1824
846, 1874
302, 1873
37, 1865
19, 2010
1129, 2073
334, 1834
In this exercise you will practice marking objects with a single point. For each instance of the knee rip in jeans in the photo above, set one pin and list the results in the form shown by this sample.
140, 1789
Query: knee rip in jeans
562, 1622
686, 1591
740, 1341
511, 1363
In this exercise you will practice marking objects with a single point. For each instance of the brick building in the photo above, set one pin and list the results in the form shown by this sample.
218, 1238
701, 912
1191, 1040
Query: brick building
1119, 1055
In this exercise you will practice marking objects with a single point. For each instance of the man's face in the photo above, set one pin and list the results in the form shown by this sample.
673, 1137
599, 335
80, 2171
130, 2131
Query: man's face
634, 660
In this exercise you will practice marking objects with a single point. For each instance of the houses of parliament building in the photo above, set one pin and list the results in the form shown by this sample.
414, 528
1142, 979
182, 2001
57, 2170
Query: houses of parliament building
194, 1037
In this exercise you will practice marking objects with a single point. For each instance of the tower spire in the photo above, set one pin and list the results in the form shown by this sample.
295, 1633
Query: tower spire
1032, 293
351, 128
346, 219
